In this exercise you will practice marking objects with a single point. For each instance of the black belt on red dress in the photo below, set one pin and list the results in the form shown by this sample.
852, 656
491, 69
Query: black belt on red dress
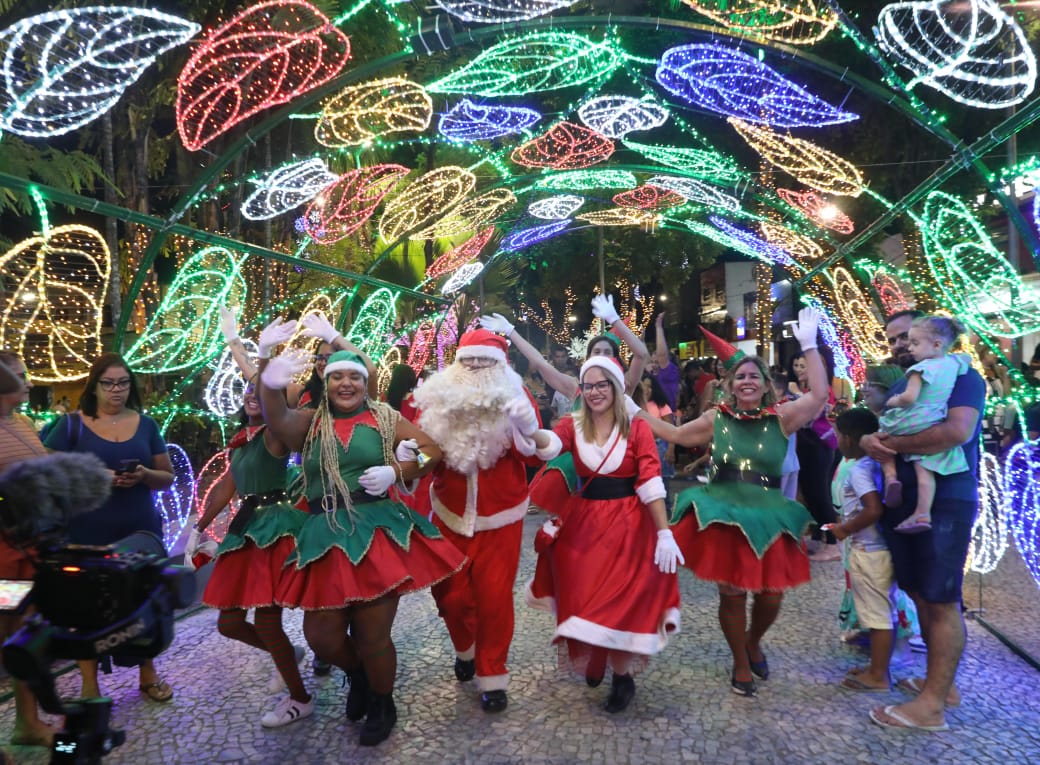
730, 474
606, 487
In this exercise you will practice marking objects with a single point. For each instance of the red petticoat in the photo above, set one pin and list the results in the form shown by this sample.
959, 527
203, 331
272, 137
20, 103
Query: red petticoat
248, 577
721, 553
332, 581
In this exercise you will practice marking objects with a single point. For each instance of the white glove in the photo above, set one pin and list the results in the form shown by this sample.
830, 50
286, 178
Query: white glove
805, 329
522, 415
273, 335
667, 552
552, 527
191, 546
377, 479
228, 325
316, 325
406, 450
281, 370
603, 308
496, 323
631, 407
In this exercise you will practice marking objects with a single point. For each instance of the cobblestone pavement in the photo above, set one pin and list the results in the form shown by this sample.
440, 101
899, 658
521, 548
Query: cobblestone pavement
684, 711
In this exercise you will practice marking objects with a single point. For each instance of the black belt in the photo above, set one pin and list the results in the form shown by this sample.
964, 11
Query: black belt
605, 487
357, 497
249, 505
728, 474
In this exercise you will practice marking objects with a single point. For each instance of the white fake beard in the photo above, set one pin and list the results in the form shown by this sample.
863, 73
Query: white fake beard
462, 411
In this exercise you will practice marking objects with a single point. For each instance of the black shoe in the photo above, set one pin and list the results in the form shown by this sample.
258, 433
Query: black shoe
593, 681
465, 669
759, 668
743, 687
382, 715
359, 697
321, 668
622, 691
493, 701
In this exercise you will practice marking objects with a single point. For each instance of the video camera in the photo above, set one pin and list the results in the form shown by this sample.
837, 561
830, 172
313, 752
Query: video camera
90, 601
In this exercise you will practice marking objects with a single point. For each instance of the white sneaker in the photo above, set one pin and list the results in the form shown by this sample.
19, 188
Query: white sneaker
277, 683
287, 711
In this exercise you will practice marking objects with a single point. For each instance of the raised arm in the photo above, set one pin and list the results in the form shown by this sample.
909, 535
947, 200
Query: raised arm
603, 308
229, 328
697, 432
660, 344
289, 426
317, 325
553, 377
799, 413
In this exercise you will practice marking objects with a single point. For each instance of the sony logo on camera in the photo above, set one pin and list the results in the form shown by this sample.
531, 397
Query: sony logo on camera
117, 638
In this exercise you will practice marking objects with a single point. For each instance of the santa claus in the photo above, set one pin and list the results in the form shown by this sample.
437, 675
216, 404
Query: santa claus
486, 423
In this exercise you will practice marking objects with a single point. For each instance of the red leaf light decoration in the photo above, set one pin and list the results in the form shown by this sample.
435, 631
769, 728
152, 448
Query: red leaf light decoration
342, 208
461, 255
264, 56
565, 147
648, 198
819, 210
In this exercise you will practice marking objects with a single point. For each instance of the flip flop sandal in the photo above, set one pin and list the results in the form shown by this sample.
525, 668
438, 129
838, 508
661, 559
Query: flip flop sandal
160, 690
899, 722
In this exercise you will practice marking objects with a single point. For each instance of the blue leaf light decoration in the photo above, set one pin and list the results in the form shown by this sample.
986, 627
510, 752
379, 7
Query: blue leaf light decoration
746, 242
729, 82
526, 237
468, 121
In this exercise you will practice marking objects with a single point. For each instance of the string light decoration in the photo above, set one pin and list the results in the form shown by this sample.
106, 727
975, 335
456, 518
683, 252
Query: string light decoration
385, 367
989, 536
267, 55
519, 240
500, 11
555, 208
622, 216
893, 294
468, 121
342, 208
64, 69
533, 64
983, 288
695, 191
185, 331
1022, 502
818, 210
855, 310
795, 22
848, 363
617, 116
730, 82
649, 197
459, 256
565, 146
422, 345
469, 215
424, 200
225, 390
361, 113
746, 242
700, 163
587, 180
374, 321
972, 52
557, 327
286, 187
462, 277
814, 166
210, 476
800, 247
174, 503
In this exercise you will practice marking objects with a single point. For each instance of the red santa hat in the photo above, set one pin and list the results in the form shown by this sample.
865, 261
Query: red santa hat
608, 364
482, 344
727, 353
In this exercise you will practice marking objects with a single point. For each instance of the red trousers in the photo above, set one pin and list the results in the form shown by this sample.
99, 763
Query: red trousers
477, 602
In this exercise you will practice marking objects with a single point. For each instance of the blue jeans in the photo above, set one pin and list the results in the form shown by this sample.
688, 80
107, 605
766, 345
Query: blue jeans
667, 470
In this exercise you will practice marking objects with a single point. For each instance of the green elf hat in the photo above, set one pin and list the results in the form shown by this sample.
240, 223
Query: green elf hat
727, 353
346, 361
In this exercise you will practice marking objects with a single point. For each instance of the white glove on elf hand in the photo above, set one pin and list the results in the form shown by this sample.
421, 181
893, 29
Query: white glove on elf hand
273, 335
667, 553
316, 325
522, 415
191, 546
228, 325
805, 330
406, 449
377, 479
631, 407
603, 308
496, 323
281, 370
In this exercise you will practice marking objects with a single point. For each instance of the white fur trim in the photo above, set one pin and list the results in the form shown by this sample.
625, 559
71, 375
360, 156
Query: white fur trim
467, 525
651, 490
608, 364
346, 366
592, 455
548, 603
493, 682
481, 352
468, 654
618, 640
524, 444
552, 450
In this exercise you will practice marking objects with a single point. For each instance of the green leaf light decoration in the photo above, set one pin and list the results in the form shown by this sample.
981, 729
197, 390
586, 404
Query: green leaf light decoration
587, 180
371, 329
705, 164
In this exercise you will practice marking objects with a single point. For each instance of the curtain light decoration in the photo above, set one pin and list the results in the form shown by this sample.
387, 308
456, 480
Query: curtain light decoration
803, 249
804, 160
469, 215
565, 146
533, 64
617, 116
374, 322
468, 121
54, 293
700, 163
555, 208
622, 216
266, 55
174, 503
459, 256
855, 310
546, 319
371, 110
971, 51
746, 242
425, 199
587, 180
795, 22
649, 197
225, 390
695, 191
1022, 502
818, 210
983, 288
287, 187
185, 331
342, 208
64, 69
732, 83
989, 536
519, 240
500, 11
211, 474
385, 367
462, 277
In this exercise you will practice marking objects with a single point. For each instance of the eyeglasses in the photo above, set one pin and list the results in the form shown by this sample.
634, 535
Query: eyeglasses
322, 356
115, 384
600, 387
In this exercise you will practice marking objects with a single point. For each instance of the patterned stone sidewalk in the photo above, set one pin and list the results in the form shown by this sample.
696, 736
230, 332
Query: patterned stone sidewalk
683, 712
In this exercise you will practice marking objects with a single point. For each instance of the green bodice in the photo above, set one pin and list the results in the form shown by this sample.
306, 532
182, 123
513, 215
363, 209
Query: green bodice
752, 444
256, 470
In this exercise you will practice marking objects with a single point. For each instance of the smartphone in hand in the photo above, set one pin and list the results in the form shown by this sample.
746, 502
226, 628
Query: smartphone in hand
128, 466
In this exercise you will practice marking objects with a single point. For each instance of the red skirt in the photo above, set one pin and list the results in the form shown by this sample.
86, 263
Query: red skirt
721, 553
248, 577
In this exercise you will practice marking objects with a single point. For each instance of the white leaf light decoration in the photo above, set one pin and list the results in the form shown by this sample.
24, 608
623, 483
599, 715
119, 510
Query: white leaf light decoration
224, 394
617, 116
175, 502
695, 191
555, 208
461, 278
62, 70
971, 51
287, 187
497, 11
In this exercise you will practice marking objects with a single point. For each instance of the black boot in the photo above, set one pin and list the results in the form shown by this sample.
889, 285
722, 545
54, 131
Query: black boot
622, 691
382, 714
493, 701
465, 669
358, 696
